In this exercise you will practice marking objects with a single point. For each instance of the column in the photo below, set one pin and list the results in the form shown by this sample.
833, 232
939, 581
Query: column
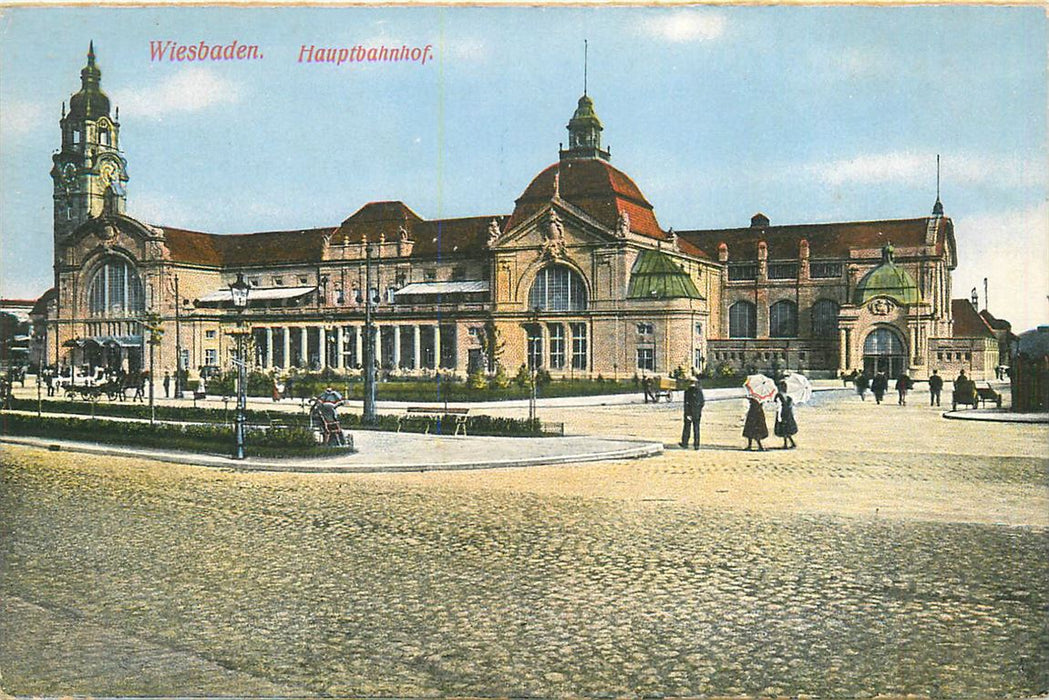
322, 346
339, 364
437, 346
544, 334
843, 341
418, 344
287, 347
304, 347
396, 347
269, 348
358, 341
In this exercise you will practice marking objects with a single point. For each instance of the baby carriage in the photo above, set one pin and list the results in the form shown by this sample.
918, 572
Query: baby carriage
325, 420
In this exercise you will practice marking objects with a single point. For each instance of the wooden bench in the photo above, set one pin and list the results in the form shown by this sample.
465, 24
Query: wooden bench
431, 414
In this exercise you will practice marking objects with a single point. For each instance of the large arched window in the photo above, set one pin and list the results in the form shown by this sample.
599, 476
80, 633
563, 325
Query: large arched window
116, 290
742, 320
882, 341
557, 288
783, 319
824, 319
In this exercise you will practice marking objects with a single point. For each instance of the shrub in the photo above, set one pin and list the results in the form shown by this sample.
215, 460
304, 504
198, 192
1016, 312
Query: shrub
542, 378
501, 380
477, 380
523, 377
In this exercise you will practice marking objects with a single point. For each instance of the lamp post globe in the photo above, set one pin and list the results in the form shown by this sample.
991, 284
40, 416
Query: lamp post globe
239, 292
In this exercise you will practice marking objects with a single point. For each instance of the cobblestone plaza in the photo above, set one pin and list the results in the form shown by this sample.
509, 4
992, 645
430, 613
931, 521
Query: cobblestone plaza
893, 553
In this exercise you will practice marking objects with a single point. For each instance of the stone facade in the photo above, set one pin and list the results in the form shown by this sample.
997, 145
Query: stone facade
580, 279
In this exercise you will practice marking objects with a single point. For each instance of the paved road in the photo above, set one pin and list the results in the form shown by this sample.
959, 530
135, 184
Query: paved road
892, 553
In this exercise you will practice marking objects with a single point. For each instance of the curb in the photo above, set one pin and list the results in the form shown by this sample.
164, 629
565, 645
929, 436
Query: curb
636, 450
1022, 418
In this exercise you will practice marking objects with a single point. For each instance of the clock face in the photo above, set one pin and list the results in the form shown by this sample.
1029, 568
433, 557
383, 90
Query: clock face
108, 172
69, 174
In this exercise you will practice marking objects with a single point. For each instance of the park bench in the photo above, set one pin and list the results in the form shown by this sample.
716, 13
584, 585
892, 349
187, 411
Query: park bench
432, 414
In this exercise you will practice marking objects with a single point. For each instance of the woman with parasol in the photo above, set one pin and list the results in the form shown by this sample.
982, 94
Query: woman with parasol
759, 390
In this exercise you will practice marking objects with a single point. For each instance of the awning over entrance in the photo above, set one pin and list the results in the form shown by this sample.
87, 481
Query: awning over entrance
257, 294
123, 341
435, 288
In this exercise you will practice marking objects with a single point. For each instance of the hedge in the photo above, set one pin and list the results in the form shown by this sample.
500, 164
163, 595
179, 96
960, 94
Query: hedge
193, 437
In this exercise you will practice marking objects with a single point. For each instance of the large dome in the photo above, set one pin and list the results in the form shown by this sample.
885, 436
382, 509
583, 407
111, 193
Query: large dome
888, 280
594, 186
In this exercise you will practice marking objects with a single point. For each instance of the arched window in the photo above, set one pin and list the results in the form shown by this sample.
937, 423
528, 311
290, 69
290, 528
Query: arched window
557, 288
882, 341
742, 320
783, 319
116, 290
824, 319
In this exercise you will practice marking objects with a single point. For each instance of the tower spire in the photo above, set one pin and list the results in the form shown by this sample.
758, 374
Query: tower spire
937, 208
584, 64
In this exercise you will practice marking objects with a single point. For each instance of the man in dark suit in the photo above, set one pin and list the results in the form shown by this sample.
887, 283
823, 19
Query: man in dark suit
935, 387
693, 412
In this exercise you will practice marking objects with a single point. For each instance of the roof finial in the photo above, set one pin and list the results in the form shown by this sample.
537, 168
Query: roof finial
91, 53
937, 208
584, 64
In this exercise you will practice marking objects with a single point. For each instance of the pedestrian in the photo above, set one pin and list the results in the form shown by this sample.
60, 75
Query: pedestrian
646, 386
167, 385
49, 379
903, 385
879, 385
755, 427
935, 387
786, 426
693, 413
863, 383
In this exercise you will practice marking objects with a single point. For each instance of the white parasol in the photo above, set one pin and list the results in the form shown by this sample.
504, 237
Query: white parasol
799, 387
760, 387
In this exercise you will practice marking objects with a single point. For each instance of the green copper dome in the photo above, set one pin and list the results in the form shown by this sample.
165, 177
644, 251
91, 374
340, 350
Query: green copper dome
888, 280
90, 102
656, 276
585, 114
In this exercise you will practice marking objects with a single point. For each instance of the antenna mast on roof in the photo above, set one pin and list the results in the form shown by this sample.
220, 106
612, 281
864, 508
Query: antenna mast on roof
937, 177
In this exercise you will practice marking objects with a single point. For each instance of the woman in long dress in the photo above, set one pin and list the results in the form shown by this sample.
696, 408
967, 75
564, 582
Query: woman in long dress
755, 427
786, 426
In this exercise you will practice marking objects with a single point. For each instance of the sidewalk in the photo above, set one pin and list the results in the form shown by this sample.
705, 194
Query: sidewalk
391, 452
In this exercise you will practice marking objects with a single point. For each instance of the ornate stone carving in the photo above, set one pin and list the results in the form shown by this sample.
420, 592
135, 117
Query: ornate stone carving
402, 233
881, 307
493, 232
107, 232
553, 236
623, 225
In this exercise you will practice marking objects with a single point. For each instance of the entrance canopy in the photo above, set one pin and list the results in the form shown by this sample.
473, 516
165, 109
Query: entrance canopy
257, 296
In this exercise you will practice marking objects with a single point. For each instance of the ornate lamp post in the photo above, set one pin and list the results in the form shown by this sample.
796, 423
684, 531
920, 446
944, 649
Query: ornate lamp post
369, 417
535, 347
154, 326
239, 292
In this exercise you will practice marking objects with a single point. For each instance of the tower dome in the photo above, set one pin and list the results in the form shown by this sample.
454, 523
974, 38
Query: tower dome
90, 103
887, 280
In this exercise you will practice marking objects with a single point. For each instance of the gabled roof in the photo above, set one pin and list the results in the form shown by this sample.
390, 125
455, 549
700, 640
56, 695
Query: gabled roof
830, 240
594, 186
438, 237
656, 276
997, 324
968, 323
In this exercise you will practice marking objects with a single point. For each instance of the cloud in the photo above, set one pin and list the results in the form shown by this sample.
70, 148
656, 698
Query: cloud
467, 49
18, 118
189, 90
685, 25
916, 168
1011, 249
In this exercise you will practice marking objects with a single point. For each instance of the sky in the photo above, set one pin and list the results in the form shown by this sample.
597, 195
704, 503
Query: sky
807, 114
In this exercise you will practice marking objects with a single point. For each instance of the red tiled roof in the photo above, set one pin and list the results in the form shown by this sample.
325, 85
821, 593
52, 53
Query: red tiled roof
269, 247
439, 237
968, 323
594, 186
832, 240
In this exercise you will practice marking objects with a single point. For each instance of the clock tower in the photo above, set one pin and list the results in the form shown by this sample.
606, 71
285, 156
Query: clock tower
89, 173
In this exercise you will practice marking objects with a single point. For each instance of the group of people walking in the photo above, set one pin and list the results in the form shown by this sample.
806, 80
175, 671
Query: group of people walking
755, 427
879, 385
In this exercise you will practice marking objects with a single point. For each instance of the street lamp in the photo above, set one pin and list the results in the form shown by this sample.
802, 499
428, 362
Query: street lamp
535, 347
239, 292
155, 327
369, 417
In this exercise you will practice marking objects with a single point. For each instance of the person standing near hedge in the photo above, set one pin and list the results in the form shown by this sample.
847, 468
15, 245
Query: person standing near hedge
693, 413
